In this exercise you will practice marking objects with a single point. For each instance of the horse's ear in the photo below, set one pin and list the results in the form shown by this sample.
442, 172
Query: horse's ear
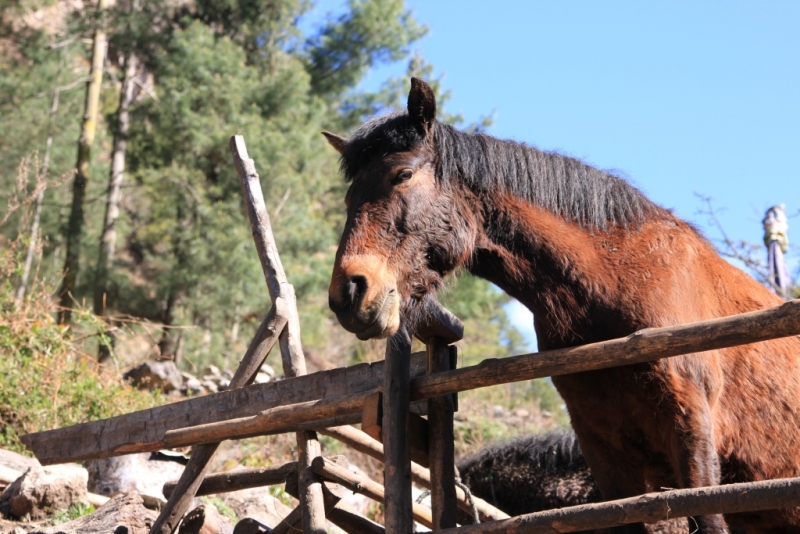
335, 141
421, 106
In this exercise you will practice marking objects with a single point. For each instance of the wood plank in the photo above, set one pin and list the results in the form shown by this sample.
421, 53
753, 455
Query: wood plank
117, 435
642, 346
274, 419
372, 416
441, 449
649, 508
397, 451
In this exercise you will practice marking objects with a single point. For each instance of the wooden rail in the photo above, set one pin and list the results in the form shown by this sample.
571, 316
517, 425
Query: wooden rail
649, 508
146, 429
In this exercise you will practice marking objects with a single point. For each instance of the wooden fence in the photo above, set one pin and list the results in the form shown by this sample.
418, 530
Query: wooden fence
388, 398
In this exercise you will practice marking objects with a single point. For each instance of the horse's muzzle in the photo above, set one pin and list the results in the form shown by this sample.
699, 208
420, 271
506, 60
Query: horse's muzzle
376, 319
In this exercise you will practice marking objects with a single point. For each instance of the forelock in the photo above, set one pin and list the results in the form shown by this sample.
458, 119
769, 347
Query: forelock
382, 135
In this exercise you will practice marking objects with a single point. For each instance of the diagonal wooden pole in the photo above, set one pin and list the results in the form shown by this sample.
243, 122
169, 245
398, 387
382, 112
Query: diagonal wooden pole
310, 488
285, 326
196, 469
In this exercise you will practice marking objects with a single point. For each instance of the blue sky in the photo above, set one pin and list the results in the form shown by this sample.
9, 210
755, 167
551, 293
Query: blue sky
680, 97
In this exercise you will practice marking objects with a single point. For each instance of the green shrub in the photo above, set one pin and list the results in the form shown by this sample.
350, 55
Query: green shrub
48, 378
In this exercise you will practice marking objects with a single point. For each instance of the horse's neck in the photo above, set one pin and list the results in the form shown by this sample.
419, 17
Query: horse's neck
567, 275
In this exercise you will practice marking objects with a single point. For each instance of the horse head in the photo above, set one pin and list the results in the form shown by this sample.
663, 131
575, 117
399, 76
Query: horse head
405, 230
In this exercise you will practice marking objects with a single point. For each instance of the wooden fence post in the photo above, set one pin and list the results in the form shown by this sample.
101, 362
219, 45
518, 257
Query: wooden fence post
441, 449
441, 328
397, 452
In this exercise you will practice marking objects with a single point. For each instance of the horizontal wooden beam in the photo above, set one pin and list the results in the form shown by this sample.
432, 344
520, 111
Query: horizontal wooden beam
649, 508
278, 418
117, 435
239, 480
642, 346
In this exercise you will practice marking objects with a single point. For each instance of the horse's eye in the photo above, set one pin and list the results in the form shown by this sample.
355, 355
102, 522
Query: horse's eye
403, 176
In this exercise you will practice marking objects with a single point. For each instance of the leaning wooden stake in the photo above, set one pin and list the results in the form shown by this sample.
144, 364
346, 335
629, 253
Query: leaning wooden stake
294, 363
283, 299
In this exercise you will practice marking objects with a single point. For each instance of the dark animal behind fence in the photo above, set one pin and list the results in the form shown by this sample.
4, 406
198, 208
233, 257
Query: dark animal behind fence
537, 472
594, 260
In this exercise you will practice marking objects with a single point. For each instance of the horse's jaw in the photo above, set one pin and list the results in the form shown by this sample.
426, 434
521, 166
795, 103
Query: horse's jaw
375, 320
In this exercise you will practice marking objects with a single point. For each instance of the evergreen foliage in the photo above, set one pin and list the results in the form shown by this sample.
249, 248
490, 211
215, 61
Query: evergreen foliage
212, 68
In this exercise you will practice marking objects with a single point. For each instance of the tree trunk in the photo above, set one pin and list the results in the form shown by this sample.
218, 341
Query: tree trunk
170, 338
109, 236
37, 214
75, 225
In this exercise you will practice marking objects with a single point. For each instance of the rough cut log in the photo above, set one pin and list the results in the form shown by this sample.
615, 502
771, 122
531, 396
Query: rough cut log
649, 508
396, 446
294, 363
642, 346
282, 417
205, 520
239, 480
196, 469
441, 450
365, 486
363, 443
123, 513
112, 436
440, 323
143, 430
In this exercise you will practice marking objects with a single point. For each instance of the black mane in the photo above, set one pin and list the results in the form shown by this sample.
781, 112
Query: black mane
565, 186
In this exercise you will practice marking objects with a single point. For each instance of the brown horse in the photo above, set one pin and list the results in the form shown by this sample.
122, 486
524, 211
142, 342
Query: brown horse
593, 259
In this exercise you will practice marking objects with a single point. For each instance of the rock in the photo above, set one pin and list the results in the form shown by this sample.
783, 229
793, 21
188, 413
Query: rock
16, 461
262, 378
205, 519
193, 386
133, 473
122, 514
212, 370
210, 386
248, 525
163, 375
258, 504
42, 490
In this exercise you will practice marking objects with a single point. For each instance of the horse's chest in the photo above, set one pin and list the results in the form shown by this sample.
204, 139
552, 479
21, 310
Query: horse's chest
619, 405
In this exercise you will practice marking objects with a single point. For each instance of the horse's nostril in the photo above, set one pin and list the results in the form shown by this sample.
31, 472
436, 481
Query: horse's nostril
354, 290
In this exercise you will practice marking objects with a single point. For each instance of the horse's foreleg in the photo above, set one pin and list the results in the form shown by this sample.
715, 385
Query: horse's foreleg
695, 459
614, 474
